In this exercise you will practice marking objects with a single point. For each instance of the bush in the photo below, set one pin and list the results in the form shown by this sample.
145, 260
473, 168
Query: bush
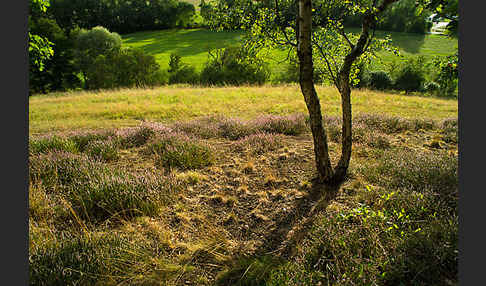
380, 80
234, 66
180, 72
432, 87
410, 76
138, 136
447, 73
81, 259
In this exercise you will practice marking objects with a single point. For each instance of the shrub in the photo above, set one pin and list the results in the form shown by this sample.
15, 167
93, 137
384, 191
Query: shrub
410, 75
177, 150
52, 143
380, 80
180, 72
90, 44
59, 169
447, 73
234, 66
432, 87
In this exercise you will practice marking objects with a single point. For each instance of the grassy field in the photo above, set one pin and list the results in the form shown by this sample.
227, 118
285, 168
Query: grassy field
203, 202
193, 45
128, 107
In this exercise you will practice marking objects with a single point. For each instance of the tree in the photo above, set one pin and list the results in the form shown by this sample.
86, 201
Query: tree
40, 48
315, 30
91, 44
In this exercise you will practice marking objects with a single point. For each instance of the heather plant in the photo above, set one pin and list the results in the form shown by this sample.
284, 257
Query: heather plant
259, 143
83, 139
60, 169
94, 191
82, 259
294, 124
119, 195
450, 130
138, 136
52, 143
206, 127
178, 150
103, 150
415, 171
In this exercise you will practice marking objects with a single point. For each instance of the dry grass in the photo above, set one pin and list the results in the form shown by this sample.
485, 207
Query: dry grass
127, 107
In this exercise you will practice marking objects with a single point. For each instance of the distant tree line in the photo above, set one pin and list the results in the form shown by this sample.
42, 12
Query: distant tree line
404, 16
122, 16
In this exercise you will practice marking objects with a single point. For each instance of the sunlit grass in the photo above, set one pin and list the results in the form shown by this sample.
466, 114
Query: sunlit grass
127, 107
193, 45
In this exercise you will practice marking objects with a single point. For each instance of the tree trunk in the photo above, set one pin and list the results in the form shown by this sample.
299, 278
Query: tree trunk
304, 52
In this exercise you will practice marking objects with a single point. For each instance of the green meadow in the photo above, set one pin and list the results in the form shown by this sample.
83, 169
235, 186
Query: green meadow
193, 45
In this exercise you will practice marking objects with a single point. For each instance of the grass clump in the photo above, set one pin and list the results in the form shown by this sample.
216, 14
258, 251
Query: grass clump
52, 143
178, 150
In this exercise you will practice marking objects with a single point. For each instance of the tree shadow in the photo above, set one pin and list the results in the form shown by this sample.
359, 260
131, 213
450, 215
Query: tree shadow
280, 244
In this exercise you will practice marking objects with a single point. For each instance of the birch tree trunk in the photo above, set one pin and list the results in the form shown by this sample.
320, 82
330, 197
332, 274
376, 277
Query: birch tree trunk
304, 52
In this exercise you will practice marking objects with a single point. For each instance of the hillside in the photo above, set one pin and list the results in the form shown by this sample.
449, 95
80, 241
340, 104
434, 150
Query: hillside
193, 44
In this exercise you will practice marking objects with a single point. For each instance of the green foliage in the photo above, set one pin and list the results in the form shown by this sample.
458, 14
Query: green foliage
40, 48
93, 49
59, 72
380, 80
447, 73
410, 76
123, 16
180, 72
106, 65
402, 16
234, 66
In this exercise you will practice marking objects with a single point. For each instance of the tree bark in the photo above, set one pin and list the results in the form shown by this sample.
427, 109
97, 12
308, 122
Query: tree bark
304, 52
